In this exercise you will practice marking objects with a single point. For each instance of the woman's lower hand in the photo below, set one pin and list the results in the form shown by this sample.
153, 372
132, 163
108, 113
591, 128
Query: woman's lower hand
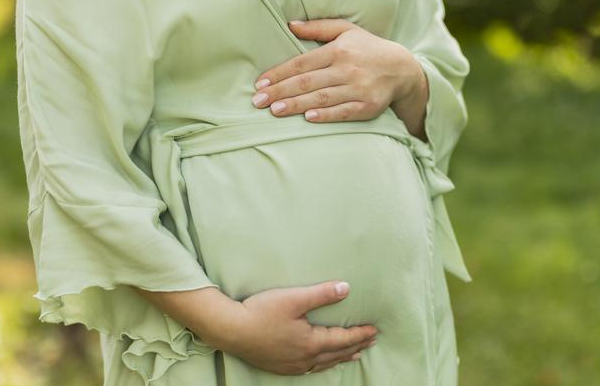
274, 334
355, 76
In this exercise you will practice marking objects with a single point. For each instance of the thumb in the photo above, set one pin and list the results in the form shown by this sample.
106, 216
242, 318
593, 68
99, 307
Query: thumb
304, 299
323, 30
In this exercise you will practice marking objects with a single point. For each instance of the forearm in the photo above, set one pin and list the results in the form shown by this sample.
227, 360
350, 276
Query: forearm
207, 312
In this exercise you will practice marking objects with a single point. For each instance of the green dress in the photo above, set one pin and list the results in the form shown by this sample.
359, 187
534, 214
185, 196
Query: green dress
148, 166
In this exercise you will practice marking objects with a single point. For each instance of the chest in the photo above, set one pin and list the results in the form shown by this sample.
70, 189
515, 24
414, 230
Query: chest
218, 24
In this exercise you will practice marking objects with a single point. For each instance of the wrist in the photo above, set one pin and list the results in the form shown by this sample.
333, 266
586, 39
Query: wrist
217, 320
411, 81
411, 96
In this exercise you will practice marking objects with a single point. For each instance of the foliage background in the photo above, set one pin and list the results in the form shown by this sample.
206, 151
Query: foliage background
526, 208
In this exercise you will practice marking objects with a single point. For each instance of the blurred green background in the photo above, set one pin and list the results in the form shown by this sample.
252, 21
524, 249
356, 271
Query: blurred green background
526, 208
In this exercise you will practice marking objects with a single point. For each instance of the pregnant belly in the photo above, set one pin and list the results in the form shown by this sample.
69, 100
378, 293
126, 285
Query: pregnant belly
338, 207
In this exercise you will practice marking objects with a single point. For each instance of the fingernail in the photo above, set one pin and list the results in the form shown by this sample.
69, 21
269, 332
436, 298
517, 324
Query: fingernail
262, 83
372, 343
356, 356
277, 106
259, 98
342, 288
310, 114
296, 22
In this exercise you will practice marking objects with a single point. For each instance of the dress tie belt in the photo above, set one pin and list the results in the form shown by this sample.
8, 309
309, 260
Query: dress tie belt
206, 139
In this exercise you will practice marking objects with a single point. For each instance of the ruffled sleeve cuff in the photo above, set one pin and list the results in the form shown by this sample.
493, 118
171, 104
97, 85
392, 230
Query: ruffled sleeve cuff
80, 280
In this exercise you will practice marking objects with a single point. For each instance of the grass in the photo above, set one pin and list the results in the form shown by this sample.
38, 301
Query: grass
527, 212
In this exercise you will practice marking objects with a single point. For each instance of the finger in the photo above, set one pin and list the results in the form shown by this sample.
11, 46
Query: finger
347, 111
306, 298
302, 84
321, 29
325, 97
327, 365
329, 356
314, 59
339, 338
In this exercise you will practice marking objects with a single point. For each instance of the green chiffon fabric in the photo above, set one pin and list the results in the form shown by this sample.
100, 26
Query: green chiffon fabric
148, 166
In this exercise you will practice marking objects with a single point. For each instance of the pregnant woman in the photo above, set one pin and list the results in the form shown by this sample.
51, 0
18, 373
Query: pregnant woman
233, 199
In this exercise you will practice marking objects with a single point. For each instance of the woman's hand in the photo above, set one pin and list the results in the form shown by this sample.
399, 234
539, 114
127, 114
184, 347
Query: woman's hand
276, 336
355, 76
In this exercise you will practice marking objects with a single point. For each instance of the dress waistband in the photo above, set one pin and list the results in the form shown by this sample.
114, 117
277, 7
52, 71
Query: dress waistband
206, 139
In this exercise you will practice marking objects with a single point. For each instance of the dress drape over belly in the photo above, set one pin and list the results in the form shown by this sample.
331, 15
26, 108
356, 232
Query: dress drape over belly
148, 165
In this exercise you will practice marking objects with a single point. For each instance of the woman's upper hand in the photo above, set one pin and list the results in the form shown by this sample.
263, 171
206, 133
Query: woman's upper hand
355, 76
274, 334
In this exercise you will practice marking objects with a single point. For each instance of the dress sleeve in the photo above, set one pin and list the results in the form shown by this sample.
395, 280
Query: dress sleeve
85, 94
421, 29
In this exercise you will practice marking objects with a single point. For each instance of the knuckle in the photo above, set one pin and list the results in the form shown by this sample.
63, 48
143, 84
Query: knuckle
376, 101
291, 104
322, 98
364, 107
310, 348
331, 293
369, 104
340, 50
304, 82
363, 87
358, 336
321, 34
344, 338
335, 336
298, 64
345, 113
353, 72
273, 93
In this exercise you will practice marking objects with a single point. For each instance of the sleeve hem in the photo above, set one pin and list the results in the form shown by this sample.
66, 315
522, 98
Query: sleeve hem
156, 341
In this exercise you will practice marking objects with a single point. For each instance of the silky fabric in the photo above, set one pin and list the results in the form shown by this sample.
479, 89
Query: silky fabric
148, 166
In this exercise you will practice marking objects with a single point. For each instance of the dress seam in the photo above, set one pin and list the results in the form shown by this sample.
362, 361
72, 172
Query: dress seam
432, 297
431, 277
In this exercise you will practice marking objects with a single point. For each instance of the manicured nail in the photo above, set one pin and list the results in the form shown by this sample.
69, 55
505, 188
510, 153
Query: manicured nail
310, 114
342, 288
372, 343
262, 83
259, 98
296, 22
356, 356
277, 106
